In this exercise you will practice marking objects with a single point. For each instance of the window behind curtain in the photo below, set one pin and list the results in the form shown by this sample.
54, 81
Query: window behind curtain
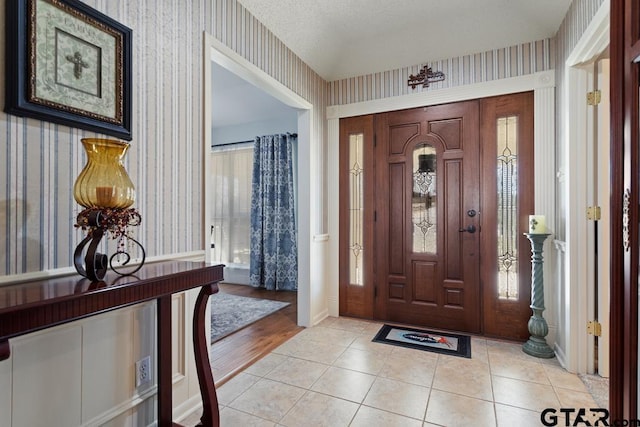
231, 207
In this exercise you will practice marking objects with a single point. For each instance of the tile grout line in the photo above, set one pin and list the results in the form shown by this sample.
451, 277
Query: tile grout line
365, 333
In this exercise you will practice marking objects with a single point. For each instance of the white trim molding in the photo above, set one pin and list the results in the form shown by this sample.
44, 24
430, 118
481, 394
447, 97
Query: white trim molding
545, 195
560, 245
544, 79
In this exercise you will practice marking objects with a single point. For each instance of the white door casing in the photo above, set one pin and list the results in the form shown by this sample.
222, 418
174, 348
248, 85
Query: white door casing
579, 287
603, 183
309, 185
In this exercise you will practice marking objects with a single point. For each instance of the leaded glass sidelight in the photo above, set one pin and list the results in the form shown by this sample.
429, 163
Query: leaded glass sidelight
356, 208
423, 199
507, 177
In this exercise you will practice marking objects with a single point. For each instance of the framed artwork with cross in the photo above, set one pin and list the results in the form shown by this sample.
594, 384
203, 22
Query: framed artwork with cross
67, 63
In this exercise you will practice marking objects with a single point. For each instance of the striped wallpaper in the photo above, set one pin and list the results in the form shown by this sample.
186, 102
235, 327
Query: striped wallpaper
513, 61
41, 160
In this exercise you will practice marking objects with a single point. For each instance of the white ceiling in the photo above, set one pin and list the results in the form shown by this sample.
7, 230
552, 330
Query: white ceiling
346, 38
236, 101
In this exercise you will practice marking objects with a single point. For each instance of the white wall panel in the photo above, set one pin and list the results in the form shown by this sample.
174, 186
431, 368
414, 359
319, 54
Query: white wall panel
47, 381
6, 379
107, 362
179, 330
143, 341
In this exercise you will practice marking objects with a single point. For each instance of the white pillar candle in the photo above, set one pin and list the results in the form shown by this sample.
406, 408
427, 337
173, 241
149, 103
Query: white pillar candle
536, 224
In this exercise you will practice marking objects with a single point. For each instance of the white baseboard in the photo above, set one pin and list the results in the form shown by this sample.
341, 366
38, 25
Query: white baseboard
116, 411
319, 317
552, 335
562, 358
187, 408
334, 306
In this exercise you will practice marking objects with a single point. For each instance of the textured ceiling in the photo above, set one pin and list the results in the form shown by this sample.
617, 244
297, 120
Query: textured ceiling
346, 38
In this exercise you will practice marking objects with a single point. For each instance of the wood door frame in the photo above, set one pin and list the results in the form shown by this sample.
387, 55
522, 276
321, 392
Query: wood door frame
625, 192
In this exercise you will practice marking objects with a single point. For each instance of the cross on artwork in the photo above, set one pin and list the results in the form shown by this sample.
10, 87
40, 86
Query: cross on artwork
78, 64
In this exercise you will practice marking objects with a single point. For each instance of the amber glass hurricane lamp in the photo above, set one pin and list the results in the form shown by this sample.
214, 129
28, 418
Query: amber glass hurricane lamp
104, 182
106, 192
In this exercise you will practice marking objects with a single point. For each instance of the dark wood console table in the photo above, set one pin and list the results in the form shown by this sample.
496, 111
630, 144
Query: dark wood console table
33, 306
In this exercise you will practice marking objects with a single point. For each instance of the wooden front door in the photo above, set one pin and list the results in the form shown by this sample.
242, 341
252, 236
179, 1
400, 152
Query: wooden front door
434, 202
427, 194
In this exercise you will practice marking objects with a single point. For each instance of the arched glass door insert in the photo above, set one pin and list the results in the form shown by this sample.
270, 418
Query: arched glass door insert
424, 199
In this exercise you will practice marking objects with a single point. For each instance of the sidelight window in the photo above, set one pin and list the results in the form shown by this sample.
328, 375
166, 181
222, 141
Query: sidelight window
356, 208
507, 174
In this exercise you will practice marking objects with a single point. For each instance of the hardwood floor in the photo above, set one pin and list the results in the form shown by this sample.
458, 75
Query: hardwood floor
235, 352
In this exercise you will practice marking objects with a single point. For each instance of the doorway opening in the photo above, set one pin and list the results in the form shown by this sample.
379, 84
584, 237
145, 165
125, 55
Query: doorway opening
216, 54
598, 215
240, 112
587, 188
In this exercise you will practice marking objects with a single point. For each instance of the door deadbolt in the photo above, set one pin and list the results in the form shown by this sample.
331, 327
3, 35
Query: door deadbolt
471, 213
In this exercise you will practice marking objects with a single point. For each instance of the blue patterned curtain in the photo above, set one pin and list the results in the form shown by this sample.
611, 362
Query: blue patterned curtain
274, 248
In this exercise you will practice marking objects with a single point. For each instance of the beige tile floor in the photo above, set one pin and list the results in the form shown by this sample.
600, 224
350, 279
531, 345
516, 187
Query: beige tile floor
333, 375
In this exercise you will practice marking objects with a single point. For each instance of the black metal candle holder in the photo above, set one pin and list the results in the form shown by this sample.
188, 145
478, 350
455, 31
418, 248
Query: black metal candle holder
94, 265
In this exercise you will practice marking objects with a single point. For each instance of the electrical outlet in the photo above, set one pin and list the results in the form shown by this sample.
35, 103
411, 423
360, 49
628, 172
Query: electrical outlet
143, 371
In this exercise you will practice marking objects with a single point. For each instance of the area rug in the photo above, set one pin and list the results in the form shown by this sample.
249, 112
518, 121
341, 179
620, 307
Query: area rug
598, 388
421, 339
230, 313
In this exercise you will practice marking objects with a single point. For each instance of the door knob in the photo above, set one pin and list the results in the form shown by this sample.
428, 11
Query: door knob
470, 229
